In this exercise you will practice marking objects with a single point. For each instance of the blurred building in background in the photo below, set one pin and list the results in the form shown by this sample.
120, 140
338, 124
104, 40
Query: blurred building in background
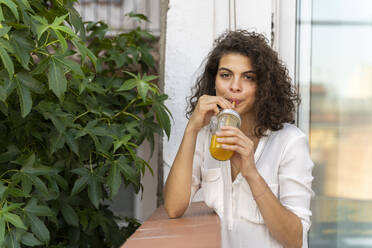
114, 13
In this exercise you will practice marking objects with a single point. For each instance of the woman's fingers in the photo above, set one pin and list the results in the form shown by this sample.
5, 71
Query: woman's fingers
222, 102
229, 131
235, 140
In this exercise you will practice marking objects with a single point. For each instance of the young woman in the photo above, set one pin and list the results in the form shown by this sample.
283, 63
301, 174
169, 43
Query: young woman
262, 194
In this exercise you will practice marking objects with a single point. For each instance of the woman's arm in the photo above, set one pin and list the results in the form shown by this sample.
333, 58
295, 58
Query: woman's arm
284, 225
177, 188
294, 183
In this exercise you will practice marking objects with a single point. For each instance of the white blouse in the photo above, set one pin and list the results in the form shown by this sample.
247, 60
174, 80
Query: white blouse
283, 160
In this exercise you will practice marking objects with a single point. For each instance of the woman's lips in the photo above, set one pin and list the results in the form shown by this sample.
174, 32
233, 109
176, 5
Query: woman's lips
237, 101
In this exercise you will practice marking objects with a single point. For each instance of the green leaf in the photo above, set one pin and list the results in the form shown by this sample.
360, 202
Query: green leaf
3, 95
7, 62
147, 58
61, 182
4, 30
9, 155
40, 30
80, 185
41, 66
40, 19
70, 215
26, 4
22, 47
31, 83
57, 141
138, 17
25, 160
57, 80
70, 64
149, 78
40, 185
84, 51
114, 179
12, 6
25, 100
2, 229
38, 170
26, 184
38, 210
11, 207
30, 240
162, 117
16, 192
7, 45
38, 228
58, 20
122, 141
1, 15
14, 219
128, 172
128, 85
62, 40
94, 191
2, 189
77, 22
81, 171
131, 74
8, 85
72, 142
67, 31
143, 88
4, 108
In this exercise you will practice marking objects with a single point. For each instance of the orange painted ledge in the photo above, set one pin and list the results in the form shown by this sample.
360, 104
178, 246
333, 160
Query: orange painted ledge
199, 227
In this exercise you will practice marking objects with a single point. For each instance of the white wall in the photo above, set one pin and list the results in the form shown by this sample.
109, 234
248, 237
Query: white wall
188, 39
191, 28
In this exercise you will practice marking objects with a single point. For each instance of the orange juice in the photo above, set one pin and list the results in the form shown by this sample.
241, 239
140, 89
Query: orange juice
217, 152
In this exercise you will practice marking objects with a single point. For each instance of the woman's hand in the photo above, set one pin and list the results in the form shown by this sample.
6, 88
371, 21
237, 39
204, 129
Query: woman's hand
234, 139
206, 107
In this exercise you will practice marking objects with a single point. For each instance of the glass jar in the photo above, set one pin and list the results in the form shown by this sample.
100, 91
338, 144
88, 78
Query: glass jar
227, 117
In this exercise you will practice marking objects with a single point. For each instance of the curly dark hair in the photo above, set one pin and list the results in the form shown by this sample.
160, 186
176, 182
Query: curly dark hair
276, 98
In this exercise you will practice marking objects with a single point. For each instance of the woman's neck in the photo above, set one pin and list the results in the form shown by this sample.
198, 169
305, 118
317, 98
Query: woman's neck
248, 125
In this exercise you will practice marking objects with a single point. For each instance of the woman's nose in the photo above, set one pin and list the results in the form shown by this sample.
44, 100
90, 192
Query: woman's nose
235, 85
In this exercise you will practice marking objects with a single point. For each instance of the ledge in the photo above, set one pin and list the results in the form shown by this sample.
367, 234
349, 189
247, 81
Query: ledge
199, 227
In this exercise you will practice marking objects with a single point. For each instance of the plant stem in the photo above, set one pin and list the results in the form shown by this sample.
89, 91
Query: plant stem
90, 163
79, 116
52, 42
46, 40
14, 170
46, 54
125, 108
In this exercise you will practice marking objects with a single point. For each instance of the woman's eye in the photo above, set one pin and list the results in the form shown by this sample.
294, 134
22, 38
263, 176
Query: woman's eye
224, 75
250, 78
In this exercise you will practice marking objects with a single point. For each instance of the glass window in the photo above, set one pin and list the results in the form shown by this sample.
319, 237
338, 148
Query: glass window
340, 119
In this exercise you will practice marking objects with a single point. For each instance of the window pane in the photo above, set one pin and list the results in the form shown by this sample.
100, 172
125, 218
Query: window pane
341, 122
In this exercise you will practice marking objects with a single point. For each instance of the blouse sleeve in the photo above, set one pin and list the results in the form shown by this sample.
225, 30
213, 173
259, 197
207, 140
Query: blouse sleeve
295, 178
196, 168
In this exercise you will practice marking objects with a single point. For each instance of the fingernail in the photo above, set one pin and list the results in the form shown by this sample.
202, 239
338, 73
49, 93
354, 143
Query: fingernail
219, 139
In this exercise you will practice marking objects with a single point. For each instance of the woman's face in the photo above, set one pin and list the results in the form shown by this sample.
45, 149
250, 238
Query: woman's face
236, 81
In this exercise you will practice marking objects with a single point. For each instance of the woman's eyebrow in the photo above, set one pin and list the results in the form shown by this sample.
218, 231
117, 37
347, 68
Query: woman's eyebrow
223, 68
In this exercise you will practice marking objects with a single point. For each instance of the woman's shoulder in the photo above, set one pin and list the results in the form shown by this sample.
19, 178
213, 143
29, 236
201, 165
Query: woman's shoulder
289, 132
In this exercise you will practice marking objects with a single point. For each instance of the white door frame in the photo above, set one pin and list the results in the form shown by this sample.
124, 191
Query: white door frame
296, 55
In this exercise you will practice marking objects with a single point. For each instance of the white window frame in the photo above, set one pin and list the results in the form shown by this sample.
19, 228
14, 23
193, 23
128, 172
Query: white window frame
296, 56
